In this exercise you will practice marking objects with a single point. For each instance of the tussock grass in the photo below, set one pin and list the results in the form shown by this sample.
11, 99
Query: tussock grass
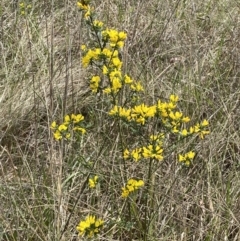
190, 48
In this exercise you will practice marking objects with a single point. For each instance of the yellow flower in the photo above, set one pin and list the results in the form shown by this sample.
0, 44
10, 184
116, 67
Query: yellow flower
120, 44
153, 152
115, 73
114, 110
175, 129
92, 182
141, 112
54, 125
136, 154
139, 183
99, 223
107, 90
62, 127
97, 23
83, 47
67, 136
67, 119
126, 154
125, 113
157, 138
173, 98
105, 69
184, 132
191, 130
115, 53
111, 35
116, 63
80, 129
185, 119
186, 158
94, 83
90, 226
83, 5
90, 56
57, 135
127, 79
203, 133
175, 116
136, 86
131, 186
122, 36
77, 118
64, 130
191, 155
200, 129
181, 158
107, 52
196, 128
87, 14
115, 38
125, 192
204, 123
116, 85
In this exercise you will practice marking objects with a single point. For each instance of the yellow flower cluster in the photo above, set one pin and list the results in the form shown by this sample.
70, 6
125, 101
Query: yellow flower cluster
186, 158
172, 119
200, 129
106, 57
94, 83
100, 56
115, 38
24, 8
169, 117
115, 78
71, 123
84, 6
153, 150
90, 226
92, 182
110, 65
97, 24
131, 186
138, 113
166, 113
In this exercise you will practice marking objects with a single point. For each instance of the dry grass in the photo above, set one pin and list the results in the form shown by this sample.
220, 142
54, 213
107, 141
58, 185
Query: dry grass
190, 48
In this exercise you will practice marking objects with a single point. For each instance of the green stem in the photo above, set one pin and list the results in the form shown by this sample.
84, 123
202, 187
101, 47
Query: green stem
135, 212
148, 195
152, 203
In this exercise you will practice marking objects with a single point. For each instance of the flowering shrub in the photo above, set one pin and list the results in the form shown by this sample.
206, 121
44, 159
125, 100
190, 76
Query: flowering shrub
155, 124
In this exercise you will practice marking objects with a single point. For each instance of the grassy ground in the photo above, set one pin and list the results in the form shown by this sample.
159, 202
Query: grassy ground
189, 48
